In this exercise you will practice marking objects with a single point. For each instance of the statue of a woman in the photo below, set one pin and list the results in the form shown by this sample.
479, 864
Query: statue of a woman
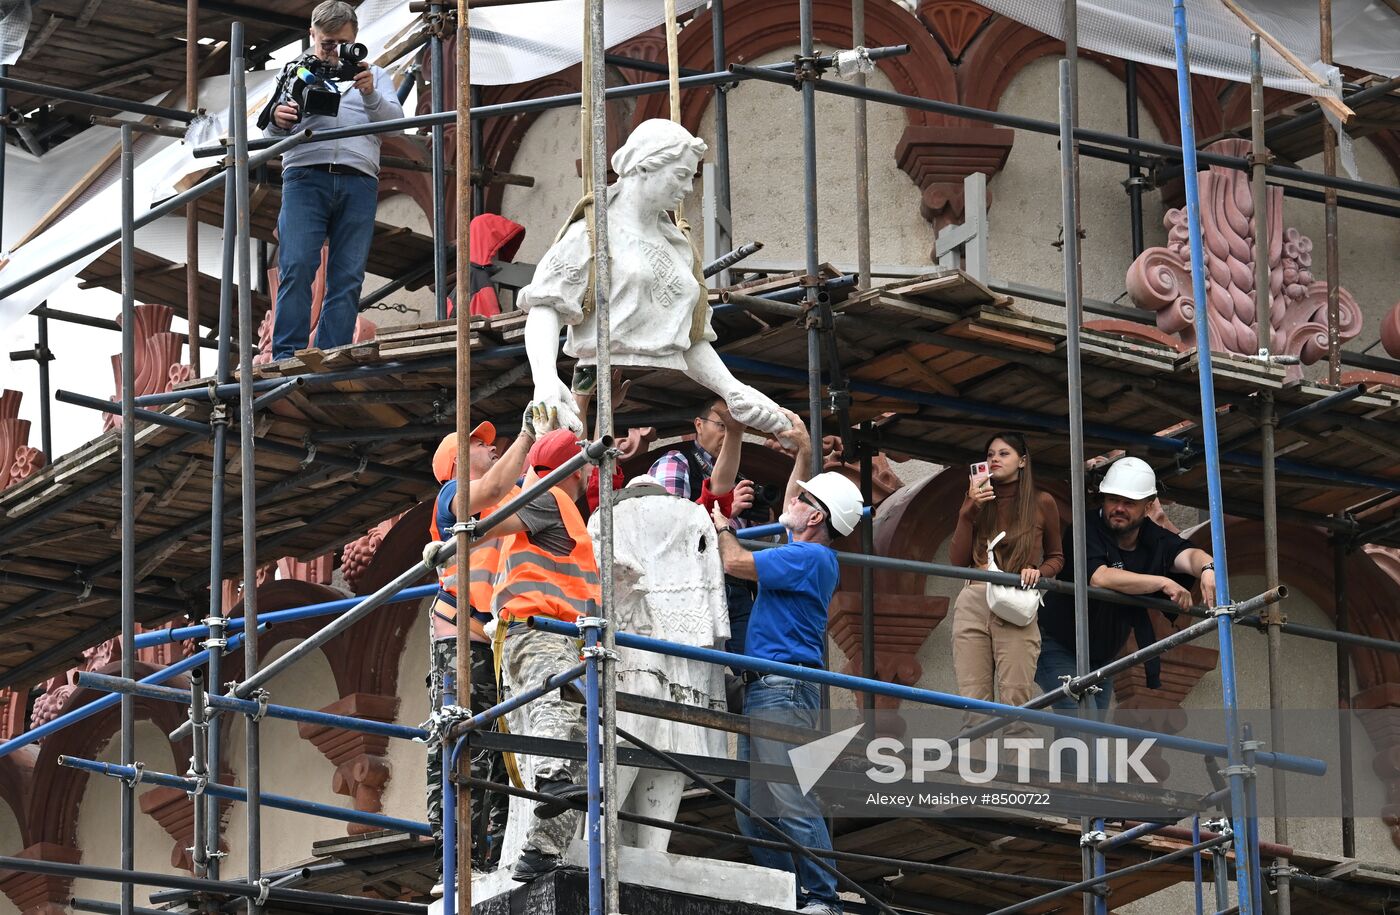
657, 303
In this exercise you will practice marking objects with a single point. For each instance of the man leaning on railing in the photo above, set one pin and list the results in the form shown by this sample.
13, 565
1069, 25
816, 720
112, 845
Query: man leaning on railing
330, 191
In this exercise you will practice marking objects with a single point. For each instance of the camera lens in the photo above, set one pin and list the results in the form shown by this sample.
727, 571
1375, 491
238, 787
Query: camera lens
353, 51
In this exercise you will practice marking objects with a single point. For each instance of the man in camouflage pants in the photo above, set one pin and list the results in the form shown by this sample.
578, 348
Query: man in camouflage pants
493, 479
547, 569
489, 809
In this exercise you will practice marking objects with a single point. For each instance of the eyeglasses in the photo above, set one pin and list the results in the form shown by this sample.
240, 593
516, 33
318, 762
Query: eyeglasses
812, 503
706, 419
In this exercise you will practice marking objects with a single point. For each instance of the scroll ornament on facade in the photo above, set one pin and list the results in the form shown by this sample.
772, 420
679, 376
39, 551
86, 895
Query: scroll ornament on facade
1160, 279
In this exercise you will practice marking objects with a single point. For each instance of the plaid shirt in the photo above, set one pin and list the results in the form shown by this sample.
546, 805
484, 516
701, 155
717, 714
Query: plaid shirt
672, 471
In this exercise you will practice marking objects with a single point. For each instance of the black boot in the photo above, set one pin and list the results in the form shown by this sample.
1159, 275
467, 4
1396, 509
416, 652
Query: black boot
531, 865
563, 792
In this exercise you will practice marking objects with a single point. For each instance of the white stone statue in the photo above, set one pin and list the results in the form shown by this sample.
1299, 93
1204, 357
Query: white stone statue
658, 302
669, 585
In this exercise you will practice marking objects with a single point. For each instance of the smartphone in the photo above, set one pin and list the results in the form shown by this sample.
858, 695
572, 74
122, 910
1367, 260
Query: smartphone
980, 468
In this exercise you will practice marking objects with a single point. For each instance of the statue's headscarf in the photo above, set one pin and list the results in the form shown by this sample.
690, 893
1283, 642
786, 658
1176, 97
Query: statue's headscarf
655, 142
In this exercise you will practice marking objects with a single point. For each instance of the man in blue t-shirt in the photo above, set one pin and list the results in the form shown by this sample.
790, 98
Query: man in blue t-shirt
788, 624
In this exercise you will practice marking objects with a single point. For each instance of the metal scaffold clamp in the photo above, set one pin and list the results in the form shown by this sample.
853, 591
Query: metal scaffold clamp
201, 782
138, 773
1078, 694
310, 453
264, 888
441, 723
218, 413
1092, 838
261, 697
1223, 610
592, 622
599, 652
215, 624
857, 60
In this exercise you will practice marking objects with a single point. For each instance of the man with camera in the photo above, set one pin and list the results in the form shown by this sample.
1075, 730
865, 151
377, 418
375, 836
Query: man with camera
330, 191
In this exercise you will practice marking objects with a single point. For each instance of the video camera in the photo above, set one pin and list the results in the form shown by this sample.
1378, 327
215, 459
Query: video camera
310, 83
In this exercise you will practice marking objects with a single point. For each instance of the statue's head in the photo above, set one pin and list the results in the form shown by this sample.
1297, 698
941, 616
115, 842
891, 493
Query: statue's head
660, 159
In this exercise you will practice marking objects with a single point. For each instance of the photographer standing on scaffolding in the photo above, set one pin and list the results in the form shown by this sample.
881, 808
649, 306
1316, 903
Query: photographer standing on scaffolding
796, 582
1128, 552
330, 192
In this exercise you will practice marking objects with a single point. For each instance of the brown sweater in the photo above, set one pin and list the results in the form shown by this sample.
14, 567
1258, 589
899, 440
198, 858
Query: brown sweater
1047, 525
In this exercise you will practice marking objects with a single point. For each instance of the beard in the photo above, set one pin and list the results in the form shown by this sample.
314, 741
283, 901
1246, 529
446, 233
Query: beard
1121, 525
788, 521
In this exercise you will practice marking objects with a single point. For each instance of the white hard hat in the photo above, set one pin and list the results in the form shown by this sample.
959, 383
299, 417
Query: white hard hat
841, 498
1131, 478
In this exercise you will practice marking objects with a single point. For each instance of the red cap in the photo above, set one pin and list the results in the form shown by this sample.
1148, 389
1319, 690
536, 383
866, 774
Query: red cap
552, 450
445, 458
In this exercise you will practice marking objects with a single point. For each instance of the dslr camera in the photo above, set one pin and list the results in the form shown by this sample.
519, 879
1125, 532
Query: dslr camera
311, 83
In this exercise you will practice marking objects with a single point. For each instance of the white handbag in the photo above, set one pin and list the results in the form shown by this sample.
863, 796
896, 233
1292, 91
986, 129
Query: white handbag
1016, 605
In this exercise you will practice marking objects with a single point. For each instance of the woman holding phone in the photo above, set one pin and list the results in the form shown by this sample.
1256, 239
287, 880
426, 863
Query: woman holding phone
994, 659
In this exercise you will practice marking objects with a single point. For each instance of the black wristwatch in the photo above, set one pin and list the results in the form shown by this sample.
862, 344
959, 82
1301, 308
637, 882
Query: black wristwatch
1208, 567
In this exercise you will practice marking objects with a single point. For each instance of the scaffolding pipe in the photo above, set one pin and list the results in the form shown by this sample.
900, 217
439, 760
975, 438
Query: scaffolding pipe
1293, 417
119, 408
285, 897
862, 154
199, 769
604, 890
867, 574
1305, 765
774, 74
720, 105
127, 750
109, 908
1342, 614
93, 100
247, 334
1246, 877
1136, 181
191, 211
121, 685
436, 75
1329, 203
165, 208
235, 624
811, 290
229, 792
1094, 883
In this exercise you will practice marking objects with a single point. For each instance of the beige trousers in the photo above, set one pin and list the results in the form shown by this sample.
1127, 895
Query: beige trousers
992, 659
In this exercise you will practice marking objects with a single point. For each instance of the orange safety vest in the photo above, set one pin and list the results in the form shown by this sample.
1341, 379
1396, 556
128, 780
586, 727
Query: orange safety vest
534, 582
485, 564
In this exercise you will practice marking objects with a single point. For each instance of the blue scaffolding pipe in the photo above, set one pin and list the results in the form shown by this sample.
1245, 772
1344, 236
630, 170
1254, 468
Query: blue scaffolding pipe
1288, 761
1047, 423
280, 801
1247, 876
459, 731
105, 702
759, 531
593, 826
119, 686
1196, 864
233, 624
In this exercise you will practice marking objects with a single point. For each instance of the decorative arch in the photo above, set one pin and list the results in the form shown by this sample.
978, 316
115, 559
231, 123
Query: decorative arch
17, 787
757, 27
52, 816
416, 184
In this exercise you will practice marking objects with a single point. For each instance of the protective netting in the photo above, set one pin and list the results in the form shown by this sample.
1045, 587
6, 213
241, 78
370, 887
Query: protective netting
1366, 34
14, 25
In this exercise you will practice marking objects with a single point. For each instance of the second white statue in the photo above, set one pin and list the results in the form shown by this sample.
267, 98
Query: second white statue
659, 313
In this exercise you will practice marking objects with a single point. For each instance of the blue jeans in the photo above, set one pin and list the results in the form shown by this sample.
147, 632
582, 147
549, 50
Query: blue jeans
793, 702
739, 599
318, 207
1056, 661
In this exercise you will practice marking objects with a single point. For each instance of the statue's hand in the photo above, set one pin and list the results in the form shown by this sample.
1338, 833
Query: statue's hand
756, 410
555, 397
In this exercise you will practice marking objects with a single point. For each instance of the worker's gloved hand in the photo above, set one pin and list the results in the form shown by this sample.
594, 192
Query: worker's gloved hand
558, 405
430, 553
585, 380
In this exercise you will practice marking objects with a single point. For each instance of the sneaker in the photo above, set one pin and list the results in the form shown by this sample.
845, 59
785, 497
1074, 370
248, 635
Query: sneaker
563, 793
531, 865
817, 907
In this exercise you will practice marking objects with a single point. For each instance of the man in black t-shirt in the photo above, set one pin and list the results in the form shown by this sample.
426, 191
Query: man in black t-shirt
1125, 552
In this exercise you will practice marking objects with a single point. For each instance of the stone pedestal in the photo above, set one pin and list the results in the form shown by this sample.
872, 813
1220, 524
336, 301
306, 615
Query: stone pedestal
653, 882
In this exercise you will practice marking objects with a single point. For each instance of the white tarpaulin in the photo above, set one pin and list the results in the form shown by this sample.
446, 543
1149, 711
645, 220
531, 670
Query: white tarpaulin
509, 45
1366, 34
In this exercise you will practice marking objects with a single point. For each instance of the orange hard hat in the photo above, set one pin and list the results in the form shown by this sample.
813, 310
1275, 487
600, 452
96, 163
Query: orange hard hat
445, 458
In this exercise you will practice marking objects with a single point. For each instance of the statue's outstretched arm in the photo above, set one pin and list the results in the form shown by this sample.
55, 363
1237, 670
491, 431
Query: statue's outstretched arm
747, 404
542, 328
